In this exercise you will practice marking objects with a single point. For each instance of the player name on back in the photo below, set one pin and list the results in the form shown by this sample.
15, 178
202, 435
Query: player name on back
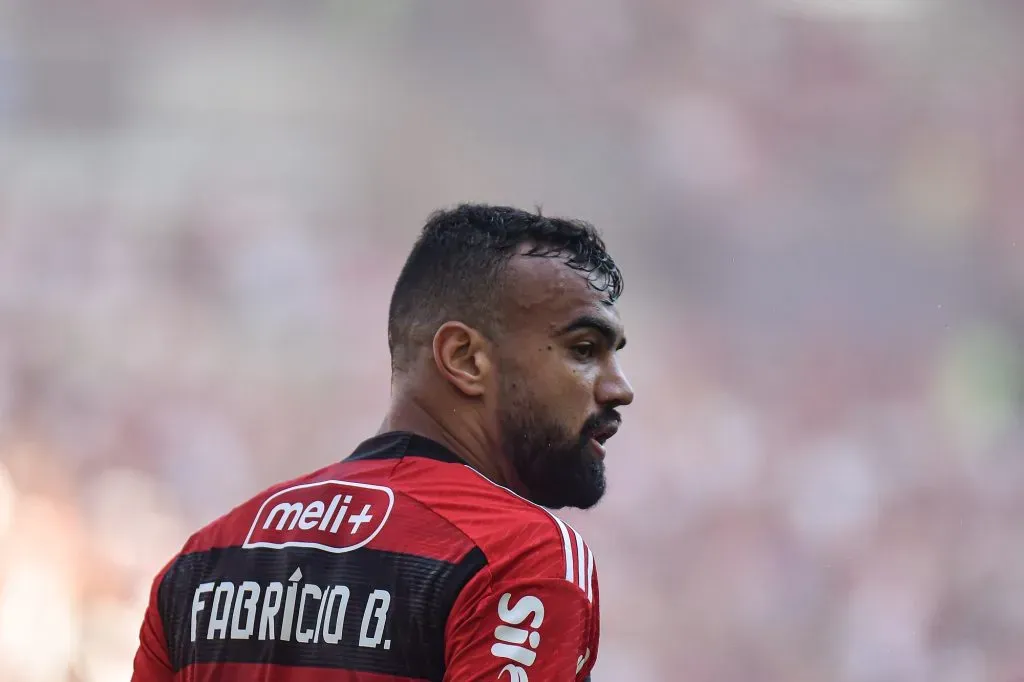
278, 610
335, 516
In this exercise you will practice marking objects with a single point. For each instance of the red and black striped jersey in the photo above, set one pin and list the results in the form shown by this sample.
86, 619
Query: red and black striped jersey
397, 563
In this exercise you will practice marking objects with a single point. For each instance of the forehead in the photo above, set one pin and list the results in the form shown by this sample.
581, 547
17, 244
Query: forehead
544, 292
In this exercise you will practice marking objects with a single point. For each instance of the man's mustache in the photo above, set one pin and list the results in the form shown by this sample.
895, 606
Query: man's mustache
599, 421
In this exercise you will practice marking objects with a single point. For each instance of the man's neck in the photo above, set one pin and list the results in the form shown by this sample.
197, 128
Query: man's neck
409, 414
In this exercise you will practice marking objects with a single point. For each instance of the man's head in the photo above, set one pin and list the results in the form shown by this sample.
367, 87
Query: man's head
511, 315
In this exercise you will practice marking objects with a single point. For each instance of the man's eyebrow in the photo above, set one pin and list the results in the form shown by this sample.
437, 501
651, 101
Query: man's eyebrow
597, 324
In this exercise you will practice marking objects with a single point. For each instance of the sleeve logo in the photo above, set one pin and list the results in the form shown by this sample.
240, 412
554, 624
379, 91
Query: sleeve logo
335, 516
516, 643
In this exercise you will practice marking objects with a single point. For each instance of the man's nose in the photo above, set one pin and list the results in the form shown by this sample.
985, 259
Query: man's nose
614, 389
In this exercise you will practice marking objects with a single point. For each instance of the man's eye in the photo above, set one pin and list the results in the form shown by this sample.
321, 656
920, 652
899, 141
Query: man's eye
584, 351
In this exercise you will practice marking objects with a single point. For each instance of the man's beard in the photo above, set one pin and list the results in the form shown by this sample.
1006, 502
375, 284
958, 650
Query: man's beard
556, 468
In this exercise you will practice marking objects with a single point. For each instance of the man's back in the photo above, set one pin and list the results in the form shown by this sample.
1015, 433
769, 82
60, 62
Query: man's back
408, 560
399, 563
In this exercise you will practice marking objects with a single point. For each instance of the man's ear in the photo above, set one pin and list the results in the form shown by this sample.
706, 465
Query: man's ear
462, 356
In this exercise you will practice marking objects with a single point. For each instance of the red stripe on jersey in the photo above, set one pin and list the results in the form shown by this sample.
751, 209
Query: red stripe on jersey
250, 672
415, 529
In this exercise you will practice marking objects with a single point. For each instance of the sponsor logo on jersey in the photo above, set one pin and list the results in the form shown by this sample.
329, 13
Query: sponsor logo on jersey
515, 674
516, 640
335, 516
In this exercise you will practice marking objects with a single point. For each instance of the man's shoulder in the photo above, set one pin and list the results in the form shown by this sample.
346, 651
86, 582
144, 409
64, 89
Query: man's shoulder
518, 538
404, 500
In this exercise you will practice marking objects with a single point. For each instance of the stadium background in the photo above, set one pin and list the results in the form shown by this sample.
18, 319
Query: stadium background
818, 205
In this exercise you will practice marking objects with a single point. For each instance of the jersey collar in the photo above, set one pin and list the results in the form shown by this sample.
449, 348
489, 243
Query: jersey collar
399, 444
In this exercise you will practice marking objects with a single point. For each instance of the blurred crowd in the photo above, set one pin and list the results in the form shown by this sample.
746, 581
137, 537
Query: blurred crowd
817, 205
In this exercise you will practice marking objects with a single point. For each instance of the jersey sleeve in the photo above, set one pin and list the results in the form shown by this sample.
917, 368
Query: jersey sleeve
526, 620
152, 662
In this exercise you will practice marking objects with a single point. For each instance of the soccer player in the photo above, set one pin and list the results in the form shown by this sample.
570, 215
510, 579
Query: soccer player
428, 553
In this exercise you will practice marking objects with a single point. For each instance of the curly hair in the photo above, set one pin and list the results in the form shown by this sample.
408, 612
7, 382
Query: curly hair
456, 268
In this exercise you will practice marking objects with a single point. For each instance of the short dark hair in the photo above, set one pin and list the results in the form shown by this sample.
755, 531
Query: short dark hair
455, 270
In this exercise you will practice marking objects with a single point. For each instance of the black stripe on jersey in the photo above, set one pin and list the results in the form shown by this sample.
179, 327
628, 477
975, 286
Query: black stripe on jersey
398, 444
368, 610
